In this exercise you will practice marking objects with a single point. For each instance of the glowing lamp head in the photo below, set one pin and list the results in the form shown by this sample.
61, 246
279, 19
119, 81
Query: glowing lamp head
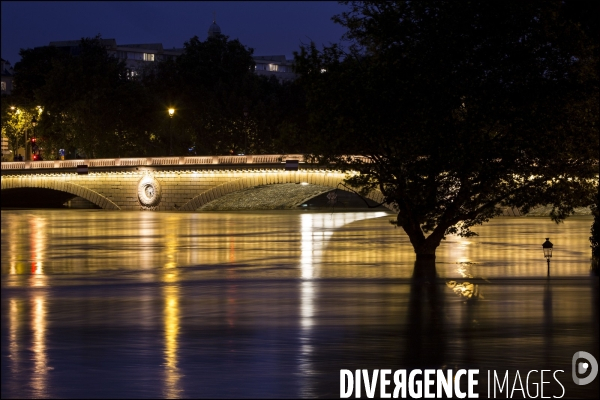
171, 112
547, 247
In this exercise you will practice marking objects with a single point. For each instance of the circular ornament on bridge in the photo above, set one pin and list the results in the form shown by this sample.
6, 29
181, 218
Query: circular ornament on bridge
149, 191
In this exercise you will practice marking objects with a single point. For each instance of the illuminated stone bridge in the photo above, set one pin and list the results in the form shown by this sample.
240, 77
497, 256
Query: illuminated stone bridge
166, 183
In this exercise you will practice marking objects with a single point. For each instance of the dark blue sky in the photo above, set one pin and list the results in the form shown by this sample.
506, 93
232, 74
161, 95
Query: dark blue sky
268, 27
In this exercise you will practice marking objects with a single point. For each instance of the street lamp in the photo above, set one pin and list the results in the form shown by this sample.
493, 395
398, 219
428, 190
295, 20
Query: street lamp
25, 146
245, 128
171, 112
547, 247
33, 124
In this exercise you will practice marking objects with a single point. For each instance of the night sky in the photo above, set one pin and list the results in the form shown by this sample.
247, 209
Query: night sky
270, 28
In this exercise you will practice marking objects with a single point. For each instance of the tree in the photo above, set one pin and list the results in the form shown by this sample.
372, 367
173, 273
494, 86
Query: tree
15, 122
221, 104
460, 108
595, 238
86, 115
93, 107
209, 81
32, 71
90, 105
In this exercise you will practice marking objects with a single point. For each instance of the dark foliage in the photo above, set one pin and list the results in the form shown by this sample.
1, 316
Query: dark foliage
93, 106
461, 108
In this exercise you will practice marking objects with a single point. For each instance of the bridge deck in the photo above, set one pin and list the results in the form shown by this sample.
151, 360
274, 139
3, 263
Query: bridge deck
271, 161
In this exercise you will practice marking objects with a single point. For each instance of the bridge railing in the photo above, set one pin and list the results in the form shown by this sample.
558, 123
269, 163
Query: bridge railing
160, 161
147, 161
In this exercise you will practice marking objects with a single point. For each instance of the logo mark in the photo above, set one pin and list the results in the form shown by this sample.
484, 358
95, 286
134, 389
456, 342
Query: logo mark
582, 367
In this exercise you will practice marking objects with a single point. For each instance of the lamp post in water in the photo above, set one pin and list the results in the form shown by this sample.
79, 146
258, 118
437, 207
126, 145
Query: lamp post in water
547, 247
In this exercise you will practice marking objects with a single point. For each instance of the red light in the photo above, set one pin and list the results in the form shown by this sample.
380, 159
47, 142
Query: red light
33, 140
35, 157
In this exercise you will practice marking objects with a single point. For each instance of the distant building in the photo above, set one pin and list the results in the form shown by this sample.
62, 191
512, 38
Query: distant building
7, 77
137, 57
214, 29
276, 66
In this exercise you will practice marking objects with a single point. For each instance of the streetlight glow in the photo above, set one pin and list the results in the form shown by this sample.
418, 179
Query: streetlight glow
171, 112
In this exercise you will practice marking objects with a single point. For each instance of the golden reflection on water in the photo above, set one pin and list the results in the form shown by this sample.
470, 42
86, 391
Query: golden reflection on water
171, 244
231, 249
37, 238
509, 247
316, 231
25, 252
321, 245
309, 254
13, 342
171, 322
146, 238
171, 312
505, 247
169, 248
12, 246
465, 289
40, 358
324, 245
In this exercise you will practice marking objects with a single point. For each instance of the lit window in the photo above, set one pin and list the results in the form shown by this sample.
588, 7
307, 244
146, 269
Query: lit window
4, 86
148, 57
273, 67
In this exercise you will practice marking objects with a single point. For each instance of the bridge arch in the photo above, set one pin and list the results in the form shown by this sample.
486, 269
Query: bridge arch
183, 189
330, 179
61, 186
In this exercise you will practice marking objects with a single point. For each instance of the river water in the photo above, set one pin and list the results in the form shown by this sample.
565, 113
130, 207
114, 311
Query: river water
100, 304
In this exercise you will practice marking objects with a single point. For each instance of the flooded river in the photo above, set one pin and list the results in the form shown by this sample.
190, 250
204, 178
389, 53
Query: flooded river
100, 304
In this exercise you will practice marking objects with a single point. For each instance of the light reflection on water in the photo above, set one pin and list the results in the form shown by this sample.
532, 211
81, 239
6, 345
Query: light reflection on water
87, 242
273, 304
171, 316
40, 357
